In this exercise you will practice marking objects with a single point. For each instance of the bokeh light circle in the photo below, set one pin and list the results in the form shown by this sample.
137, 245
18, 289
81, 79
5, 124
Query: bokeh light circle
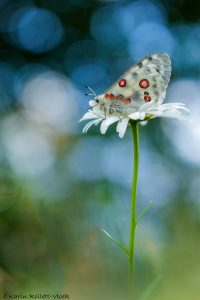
36, 30
185, 136
28, 151
50, 98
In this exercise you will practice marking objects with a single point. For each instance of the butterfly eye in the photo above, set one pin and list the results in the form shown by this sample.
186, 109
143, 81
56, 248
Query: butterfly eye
97, 100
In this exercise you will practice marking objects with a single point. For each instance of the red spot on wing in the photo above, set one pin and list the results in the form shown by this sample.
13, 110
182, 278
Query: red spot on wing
144, 83
112, 97
122, 83
147, 98
127, 101
120, 97
109, 96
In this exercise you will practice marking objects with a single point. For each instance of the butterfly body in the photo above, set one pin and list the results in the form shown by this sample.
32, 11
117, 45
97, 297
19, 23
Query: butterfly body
144, 82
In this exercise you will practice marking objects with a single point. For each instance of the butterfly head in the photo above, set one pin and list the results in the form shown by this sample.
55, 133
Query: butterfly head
97, 101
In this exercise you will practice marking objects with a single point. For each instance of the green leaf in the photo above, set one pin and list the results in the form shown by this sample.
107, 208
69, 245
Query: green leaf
145, 210
120, 245
150, 288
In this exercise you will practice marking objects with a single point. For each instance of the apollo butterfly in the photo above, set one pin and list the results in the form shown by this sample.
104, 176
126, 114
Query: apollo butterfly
144, 82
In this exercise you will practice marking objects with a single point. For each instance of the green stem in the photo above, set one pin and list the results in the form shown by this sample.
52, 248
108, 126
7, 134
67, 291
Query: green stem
134, 127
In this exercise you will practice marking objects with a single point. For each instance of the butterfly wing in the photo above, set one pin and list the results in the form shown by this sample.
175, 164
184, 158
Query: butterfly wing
143, 82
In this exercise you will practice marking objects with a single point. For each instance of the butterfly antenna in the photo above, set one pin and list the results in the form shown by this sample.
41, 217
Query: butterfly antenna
89, 94
93, 93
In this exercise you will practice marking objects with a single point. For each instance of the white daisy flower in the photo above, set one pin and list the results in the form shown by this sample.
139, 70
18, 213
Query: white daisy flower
137, 95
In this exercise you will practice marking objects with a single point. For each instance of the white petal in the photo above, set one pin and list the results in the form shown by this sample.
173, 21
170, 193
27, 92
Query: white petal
97, 111
88, 115
174, 115
89, 124
142, 116
135, 116
175, 106
121, 127
143, 123
144, 107
170, 110
154, 112
107, 122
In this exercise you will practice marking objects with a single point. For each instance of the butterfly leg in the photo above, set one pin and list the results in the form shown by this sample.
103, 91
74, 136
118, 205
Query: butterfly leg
105, 113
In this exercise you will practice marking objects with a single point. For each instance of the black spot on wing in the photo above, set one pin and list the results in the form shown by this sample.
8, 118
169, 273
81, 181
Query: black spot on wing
140, 64
135, 74
136, 96
156, 93
148, 70
154, 79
